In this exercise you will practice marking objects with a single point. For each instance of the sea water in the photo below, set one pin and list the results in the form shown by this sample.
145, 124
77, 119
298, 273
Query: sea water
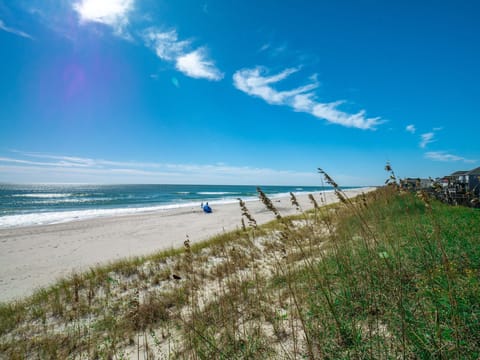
23, 205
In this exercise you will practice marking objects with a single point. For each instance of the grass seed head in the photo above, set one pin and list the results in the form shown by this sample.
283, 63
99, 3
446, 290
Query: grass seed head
268, 203
294, 201
328, 178
245, 212
313, 201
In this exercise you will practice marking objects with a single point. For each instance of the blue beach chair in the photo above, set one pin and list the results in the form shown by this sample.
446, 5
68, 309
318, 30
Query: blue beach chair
207, 209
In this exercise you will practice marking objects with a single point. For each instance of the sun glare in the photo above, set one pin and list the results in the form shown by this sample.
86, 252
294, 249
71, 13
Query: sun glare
105, 11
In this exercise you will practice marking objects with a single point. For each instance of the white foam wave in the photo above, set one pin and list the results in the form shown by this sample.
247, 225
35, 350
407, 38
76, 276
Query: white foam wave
42, 195
56, 217
68, 201
45, 218
287, 194
216, 193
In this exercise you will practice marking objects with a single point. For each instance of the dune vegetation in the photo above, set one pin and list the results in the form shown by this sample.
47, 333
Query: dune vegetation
388, 274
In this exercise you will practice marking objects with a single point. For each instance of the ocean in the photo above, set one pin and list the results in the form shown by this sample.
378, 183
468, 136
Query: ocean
23, 205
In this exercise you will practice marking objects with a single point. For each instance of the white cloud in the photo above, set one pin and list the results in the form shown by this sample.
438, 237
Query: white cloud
109, 12
254, 82
196, 65
411, 128
443, 156
14, 31
264, 47
23, 162
75, 161
75, 169
168, 47
426, 139
165, 44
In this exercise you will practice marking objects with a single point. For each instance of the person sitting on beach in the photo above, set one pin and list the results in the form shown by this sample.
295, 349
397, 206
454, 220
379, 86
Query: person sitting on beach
206, 208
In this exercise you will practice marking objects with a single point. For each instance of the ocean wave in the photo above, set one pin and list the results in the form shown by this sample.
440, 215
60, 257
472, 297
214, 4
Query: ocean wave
217, 193
42, 217
54, 201
43, 195
57, 217
287, 194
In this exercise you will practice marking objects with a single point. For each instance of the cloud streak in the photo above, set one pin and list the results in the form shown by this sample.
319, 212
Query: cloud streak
166, 44
411, 129
168, 47
445, 157
255, 82
54, 168
426, 139
17, 32
196, 65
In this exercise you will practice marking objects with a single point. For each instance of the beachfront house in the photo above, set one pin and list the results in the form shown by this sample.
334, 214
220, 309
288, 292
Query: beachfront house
458, 176
465, 181
472, 180
444, 181
416, 183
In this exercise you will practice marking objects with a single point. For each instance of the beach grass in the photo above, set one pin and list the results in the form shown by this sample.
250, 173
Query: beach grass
388, 274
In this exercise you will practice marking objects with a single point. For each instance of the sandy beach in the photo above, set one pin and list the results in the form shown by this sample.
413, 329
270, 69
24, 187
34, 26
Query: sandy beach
35, 256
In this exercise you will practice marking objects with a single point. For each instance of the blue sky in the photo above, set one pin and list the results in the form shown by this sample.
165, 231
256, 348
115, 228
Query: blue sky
237, 92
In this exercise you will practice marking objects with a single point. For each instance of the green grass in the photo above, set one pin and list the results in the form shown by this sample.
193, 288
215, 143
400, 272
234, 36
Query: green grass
384, 276
403, 281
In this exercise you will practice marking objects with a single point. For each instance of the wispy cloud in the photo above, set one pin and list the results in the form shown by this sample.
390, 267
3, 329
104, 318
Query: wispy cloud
168, 47
70, 168
14, 31
166, 44
113, 13
256, 83
205, 8
264, 47
196, 65
252, 82
411, 128
75, 161
127, 20
24, 162
444, 156
426, 139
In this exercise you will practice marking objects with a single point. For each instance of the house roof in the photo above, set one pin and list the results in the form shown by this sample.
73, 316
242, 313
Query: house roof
457, 173
475, 171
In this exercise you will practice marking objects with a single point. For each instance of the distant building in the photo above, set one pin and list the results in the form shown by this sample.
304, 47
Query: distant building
464, 181
472, 180
444, 181
459, 188
457, 176
416, 183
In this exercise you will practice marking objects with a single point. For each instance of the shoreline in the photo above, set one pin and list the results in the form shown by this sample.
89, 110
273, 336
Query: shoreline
35, 256
41, 218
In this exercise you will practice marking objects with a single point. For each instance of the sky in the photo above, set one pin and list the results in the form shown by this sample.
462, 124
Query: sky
237, 92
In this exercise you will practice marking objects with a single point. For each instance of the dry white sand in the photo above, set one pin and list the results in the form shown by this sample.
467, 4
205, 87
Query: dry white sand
35, 256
